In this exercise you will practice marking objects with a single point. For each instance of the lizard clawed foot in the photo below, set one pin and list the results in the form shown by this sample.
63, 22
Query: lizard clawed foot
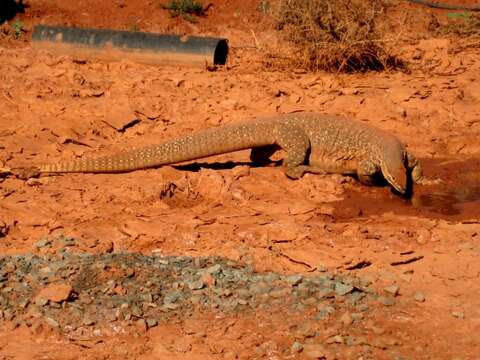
426, 181
295, 172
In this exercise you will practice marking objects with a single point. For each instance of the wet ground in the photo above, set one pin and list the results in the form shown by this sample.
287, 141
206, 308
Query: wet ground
456, 198
207, 260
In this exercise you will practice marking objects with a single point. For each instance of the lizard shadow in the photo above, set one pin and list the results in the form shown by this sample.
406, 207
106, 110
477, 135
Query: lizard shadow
378, 179
228, 165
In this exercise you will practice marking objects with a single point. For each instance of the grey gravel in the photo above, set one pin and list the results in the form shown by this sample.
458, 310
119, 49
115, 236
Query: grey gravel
147, 290
296, 347
343, 289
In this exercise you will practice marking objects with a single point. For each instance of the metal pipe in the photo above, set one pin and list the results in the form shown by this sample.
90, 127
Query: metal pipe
115, 45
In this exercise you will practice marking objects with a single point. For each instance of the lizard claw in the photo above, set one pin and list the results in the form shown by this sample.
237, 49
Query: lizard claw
426, 181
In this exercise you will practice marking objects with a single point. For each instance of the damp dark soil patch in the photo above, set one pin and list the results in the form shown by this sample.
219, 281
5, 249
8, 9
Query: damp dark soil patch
457, 197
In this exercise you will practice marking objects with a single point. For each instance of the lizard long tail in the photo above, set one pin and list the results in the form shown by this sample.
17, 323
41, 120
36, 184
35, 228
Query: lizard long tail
205, 143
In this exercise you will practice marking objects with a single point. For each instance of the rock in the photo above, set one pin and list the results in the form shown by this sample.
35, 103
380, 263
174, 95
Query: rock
39, 301
337, 339
208, 279
419, 296
196, 285
56, 292
392, 289
215, 269
296, 347
294, 279
152, 322
343, 289
52, 322
458, 314
88, 321
43, 242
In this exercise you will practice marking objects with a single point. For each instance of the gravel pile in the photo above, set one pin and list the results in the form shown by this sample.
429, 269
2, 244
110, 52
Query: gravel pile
68, 291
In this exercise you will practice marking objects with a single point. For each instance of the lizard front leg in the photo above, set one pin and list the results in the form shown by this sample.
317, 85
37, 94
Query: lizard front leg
367, 172
416, 170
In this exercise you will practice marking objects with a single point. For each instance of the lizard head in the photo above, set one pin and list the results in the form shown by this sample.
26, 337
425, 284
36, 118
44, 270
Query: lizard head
394, 169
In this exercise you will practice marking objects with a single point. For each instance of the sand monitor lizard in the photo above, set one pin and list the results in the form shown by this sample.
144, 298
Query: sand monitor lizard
315, 143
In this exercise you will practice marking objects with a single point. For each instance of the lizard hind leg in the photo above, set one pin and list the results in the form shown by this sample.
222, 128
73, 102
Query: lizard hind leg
295, 141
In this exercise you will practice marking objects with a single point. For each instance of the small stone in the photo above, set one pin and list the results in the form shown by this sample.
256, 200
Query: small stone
39, 301
130, 272
305, 330
294, 279
296, 347
322, 268
178, 82
458, 314
88, 322
337, 339
52, 322
215, 269
343, 289
42, 243
141, 325
196, 285
279, 293
23, 303
208, 279
167, 307
324, 312
351, 341
56, 292
392, 289
152, 323
171, 297
386, 300
419, 296
33, 182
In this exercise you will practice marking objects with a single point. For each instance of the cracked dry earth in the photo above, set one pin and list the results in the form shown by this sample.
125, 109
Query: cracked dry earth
218, 259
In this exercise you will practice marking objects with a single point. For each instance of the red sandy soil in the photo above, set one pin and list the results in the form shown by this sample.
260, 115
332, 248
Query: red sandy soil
57, 107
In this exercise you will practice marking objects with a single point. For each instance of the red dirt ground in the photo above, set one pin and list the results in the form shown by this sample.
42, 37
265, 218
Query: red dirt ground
57, 107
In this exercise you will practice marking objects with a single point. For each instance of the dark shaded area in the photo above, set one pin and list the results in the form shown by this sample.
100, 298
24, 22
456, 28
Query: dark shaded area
196, 166
10, 8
